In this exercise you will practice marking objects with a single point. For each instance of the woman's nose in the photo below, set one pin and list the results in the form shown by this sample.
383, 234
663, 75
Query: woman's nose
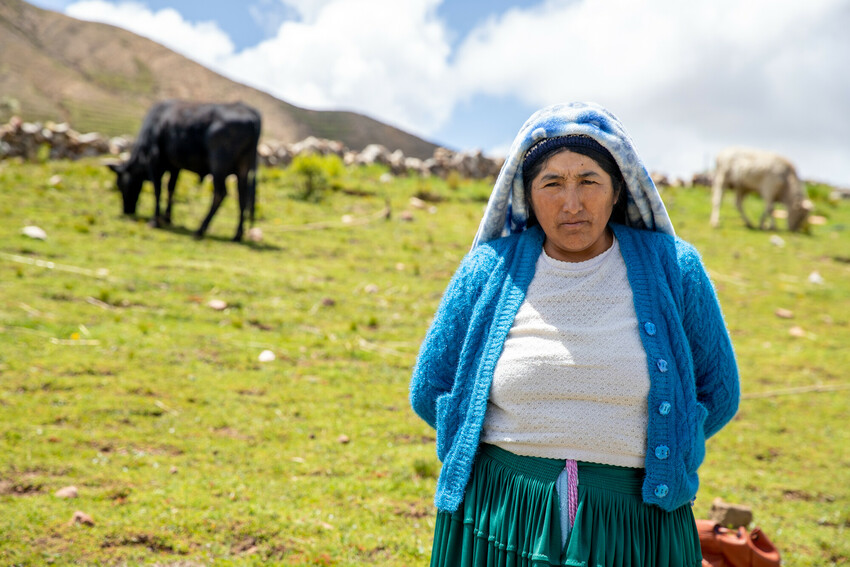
572, 200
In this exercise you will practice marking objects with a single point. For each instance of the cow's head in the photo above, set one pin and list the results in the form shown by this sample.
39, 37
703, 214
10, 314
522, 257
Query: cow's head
798, 215
129, 182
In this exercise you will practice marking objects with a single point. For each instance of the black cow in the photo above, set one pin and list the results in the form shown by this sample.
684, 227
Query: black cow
217, 139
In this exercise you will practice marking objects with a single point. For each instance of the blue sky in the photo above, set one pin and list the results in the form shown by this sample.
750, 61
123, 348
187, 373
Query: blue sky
686, 78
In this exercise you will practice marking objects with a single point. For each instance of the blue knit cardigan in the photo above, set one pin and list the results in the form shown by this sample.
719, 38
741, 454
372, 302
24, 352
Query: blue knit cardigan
694, 388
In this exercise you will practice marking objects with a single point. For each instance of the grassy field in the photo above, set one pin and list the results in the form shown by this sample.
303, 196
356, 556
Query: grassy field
118, 378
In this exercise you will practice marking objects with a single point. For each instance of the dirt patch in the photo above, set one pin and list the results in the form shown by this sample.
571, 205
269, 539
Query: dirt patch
406, 439
808, 496
251, 392
154, 543
414, 511
245, 546
232, 433
19, 488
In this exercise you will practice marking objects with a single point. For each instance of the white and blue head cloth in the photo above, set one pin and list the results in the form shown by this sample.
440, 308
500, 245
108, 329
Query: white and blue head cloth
506, 211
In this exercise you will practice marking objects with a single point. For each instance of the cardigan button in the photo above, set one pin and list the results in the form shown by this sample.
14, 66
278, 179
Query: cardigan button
649, 327
661, 490
665, 408
662, 452
662, 365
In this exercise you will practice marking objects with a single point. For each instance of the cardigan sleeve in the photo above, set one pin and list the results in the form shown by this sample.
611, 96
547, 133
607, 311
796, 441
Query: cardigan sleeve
439, 354
716, 371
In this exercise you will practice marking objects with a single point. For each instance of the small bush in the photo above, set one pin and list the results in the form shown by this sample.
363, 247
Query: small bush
316, 174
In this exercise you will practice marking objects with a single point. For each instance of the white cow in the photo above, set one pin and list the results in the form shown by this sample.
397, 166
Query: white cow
765, 173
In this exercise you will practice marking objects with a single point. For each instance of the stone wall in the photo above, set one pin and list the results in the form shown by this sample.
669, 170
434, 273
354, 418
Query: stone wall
31, 141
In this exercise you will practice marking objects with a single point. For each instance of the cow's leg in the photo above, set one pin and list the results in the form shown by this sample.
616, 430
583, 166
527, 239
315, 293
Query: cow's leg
157, 191
767, 214
717, 197
172, 184
242, 186
219, 193
739, 203
770, 192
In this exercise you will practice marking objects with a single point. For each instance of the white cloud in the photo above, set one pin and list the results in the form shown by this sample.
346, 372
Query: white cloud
204, 42
686, 78
383, 58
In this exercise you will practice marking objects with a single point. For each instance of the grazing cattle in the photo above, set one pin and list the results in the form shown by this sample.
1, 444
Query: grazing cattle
216, 139
766, 174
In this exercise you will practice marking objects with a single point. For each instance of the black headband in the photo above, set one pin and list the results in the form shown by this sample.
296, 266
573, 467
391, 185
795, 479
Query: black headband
577, 142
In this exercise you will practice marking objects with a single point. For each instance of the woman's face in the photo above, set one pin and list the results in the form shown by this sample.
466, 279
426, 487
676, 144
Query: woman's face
572, 198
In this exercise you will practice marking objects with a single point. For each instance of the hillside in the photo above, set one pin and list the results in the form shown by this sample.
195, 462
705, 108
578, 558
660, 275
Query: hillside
101, 78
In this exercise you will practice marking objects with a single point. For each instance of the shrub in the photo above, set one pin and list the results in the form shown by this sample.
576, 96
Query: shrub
316, 174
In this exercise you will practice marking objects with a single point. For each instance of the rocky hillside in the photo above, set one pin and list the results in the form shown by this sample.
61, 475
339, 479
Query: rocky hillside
101, 78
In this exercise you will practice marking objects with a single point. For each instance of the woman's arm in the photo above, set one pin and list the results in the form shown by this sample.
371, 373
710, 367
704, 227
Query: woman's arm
436, 365
717, 383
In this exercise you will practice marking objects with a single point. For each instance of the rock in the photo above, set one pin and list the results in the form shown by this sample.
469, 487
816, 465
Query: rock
784, 313
659, 179
398, 163
777, 241
81, 518
255, 234
217, 304
67, 492
704, 179
816, 278
414, 164
371, 288
34, 232
374, 153
417, 203
315, 145
797, 332
817, 220
730, 515
343, 439
406, 216
266, 356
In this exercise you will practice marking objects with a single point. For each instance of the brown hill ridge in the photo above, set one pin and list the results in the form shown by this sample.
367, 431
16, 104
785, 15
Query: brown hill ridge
101, 78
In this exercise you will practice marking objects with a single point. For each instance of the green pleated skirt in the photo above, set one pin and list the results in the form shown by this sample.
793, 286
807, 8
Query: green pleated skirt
511, 517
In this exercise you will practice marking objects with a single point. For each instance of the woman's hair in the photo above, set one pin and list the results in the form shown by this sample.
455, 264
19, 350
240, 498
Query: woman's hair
537, 156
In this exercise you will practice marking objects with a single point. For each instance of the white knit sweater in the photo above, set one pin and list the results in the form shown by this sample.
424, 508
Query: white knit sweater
572, 380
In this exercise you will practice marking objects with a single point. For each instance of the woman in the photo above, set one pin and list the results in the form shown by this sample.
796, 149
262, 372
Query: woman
576, 365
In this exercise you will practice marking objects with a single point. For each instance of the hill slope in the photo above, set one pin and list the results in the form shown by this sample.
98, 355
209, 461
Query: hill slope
101, 78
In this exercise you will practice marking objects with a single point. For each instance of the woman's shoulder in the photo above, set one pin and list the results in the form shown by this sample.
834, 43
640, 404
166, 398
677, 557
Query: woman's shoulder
497, 250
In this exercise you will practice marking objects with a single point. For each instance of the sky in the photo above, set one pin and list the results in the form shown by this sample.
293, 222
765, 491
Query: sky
685, 78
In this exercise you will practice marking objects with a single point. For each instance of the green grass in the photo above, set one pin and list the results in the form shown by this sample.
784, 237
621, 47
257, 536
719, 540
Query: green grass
118, 378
